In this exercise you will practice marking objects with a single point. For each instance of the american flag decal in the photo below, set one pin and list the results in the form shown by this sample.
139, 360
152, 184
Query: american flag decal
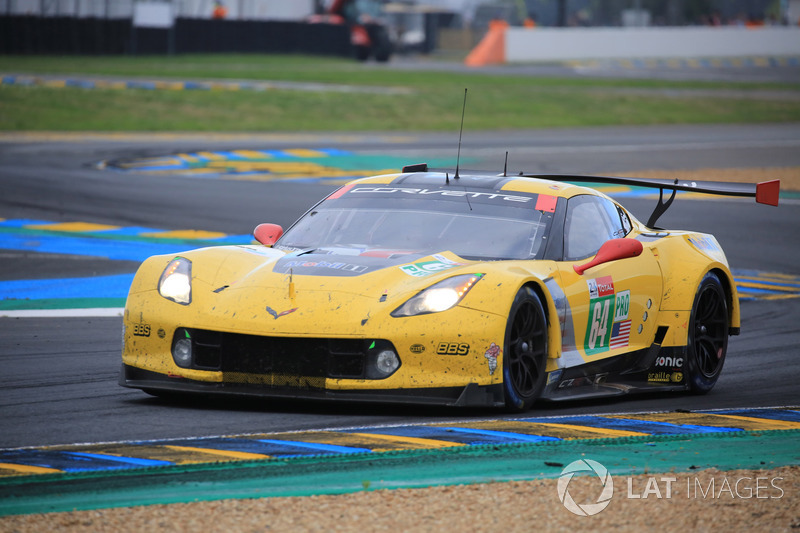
620, 334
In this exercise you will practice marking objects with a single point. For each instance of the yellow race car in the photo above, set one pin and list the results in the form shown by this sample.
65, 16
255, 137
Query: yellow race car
434, 288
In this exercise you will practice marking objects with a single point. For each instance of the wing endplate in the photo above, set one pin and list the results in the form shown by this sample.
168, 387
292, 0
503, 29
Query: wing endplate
768, 192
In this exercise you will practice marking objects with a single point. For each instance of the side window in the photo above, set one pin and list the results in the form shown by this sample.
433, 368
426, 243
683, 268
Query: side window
618, 218
627, 226
590, 222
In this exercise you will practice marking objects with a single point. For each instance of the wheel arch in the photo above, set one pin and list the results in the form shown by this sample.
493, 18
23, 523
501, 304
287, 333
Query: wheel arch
550, 311
731, 295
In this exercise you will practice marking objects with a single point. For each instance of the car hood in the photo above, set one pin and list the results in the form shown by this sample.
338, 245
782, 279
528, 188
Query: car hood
353, 270
247, 289
226, 268
350, 262
255, 289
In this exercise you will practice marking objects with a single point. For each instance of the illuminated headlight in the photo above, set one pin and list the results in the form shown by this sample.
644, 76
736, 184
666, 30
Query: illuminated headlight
176, 281
439, 297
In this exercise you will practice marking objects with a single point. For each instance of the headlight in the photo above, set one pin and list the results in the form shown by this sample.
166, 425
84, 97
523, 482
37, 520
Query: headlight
176, 281
439, 297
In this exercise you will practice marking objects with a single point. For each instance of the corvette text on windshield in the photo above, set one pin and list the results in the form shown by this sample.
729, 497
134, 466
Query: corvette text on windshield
441, 192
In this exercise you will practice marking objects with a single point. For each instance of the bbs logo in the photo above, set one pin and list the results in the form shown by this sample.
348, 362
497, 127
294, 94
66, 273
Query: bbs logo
452, 348
141, 330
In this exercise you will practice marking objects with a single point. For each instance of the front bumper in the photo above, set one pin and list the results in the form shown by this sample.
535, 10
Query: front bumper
471, 395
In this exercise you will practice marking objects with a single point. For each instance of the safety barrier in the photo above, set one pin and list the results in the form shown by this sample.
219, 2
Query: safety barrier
69, 35
504, 44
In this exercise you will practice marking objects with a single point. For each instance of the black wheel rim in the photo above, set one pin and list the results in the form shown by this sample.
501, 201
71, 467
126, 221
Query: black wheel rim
527, 346
710, 325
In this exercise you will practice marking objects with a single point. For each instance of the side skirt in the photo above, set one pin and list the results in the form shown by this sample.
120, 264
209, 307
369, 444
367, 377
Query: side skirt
656, 369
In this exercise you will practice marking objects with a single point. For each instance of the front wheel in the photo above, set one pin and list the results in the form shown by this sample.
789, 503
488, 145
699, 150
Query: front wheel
525, 354
361, 52
708, 335
383, 45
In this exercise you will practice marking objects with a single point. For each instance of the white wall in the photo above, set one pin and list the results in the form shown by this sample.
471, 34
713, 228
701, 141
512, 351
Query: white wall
793, 12
560, 44
282, 9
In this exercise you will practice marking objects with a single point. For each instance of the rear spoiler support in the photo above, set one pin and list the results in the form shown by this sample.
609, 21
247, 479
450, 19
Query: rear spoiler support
661, 207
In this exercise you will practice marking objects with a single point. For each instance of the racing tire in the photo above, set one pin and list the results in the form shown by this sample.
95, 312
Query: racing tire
383, 46
708, 335
525, 355
361, 52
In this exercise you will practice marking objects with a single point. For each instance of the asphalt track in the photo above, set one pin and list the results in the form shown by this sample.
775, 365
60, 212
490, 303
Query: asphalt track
58, 382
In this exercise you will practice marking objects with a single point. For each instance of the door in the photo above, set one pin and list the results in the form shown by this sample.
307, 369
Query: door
612, 307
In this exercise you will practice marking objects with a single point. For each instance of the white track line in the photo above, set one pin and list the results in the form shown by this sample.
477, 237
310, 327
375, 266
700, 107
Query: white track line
60, 313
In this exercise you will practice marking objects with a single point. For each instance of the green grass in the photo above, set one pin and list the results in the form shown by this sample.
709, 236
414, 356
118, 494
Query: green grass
433, 101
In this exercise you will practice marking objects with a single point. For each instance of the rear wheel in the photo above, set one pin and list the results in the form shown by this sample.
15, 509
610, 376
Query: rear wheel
708, 335
525, 354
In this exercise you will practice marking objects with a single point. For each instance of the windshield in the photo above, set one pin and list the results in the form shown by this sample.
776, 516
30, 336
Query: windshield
471, 224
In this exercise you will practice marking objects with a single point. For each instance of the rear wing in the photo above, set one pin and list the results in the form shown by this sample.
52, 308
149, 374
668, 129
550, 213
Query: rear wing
766, 192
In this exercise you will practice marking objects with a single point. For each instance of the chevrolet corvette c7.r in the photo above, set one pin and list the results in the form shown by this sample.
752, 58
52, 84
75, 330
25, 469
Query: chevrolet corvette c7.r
428, 287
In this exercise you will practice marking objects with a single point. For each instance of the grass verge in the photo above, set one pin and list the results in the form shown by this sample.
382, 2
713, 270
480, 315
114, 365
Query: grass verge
433, 102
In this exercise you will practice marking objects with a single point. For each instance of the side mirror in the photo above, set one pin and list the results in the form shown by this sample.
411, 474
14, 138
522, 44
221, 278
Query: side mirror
267, 234
611, 251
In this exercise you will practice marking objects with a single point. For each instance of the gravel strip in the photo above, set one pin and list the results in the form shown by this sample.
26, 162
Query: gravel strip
762, 500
